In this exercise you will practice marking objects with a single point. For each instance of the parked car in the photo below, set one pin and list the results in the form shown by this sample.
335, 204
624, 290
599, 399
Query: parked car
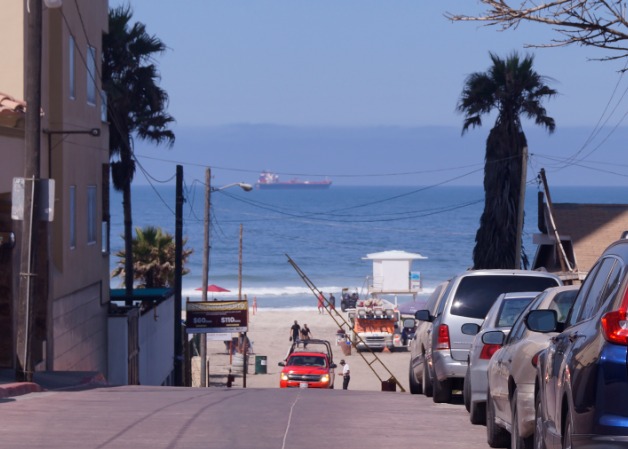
467, 298
582, 377
501, 316
421, 345
511, 371
308, 368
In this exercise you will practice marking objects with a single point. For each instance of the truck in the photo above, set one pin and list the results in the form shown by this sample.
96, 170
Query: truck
311, 367
376, 325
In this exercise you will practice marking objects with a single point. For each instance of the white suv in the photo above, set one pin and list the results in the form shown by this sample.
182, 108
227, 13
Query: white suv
467, 299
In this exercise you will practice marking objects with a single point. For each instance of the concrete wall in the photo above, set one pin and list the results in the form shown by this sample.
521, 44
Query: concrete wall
156, 334
80, 332
156, 346
118, 369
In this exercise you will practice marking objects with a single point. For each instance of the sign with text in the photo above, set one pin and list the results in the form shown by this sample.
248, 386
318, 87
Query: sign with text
216, 316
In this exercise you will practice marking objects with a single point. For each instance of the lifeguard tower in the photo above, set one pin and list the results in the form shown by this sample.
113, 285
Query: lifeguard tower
393, 275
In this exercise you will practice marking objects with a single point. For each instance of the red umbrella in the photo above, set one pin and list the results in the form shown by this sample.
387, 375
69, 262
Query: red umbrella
214, 289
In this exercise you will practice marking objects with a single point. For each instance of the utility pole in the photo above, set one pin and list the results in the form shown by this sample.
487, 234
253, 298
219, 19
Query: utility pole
178, 274
245, 340
28, 254
206, 234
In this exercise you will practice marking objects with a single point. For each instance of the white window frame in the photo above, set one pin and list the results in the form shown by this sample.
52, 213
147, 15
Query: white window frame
72, 218
91, 75
72, 68
91, 214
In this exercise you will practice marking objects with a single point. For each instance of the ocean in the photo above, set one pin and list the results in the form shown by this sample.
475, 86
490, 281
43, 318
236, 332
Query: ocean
327, 233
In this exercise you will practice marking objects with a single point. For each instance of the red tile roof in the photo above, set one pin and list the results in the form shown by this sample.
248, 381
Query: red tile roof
12, 111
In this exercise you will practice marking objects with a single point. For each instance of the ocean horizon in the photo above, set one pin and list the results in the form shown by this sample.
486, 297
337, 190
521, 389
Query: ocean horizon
327, 233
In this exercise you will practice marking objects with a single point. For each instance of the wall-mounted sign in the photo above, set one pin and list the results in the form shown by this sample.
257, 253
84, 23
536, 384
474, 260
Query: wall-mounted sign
216, 316
45, 189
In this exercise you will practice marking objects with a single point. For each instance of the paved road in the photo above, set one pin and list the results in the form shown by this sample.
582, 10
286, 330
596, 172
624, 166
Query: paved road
222, 418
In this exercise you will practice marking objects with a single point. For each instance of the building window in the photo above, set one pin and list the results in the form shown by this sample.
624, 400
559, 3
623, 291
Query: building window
72, 221
71, 69
91, 75
91, 214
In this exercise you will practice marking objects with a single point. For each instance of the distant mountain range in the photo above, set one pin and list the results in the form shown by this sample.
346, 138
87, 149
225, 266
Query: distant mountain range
380, 155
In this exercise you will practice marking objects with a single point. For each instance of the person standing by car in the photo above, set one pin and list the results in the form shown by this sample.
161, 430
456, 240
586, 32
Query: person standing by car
332, 302
306, 334
294, 333
346, 374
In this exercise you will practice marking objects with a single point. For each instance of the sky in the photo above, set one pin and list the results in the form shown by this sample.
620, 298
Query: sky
353, 65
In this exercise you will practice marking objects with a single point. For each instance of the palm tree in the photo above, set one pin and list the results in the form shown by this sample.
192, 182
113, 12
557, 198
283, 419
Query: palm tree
154, 258
512, 88
136, 106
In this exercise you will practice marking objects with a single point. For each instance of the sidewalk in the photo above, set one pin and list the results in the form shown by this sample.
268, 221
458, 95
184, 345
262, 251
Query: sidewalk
49, 381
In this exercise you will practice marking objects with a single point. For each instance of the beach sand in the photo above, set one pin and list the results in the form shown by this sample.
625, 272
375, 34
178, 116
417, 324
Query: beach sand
269, 333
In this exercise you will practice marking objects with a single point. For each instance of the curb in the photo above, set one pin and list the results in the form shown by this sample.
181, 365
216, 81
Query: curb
18, 389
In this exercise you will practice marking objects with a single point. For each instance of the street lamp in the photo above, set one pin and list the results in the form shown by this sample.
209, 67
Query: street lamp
208, 191
94, 132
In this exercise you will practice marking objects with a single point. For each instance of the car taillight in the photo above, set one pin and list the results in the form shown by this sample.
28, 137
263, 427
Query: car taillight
615, 324
488, 351
443, 337
535, 359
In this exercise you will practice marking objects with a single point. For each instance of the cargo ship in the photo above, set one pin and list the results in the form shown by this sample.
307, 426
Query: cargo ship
270, 181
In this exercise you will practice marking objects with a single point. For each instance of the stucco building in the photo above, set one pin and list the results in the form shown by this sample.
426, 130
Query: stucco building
70, 293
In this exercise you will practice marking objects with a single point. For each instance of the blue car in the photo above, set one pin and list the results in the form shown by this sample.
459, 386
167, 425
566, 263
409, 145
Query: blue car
581, 388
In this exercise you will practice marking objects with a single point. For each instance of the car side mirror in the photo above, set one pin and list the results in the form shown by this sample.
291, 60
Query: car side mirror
470, 329
543, 321
333, 365
494, 338
281, 363
423, 315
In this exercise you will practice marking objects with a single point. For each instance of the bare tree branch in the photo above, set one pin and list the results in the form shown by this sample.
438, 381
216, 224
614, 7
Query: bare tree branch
593, 23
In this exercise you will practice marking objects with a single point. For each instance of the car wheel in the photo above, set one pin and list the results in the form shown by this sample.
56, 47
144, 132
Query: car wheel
495, 435
567, 432
539, 442
428, 391
466, 391
415, 387
516, 441
442, 391
477, 413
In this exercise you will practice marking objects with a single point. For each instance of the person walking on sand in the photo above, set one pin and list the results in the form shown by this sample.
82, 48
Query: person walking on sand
346, 374
332, 302
254, 305
321, 303
294, 333
306, 334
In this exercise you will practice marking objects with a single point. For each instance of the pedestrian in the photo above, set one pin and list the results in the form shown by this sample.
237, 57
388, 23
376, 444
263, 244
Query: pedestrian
306, 334
254, 305
321, 303
346, 374
332, 302
294, 333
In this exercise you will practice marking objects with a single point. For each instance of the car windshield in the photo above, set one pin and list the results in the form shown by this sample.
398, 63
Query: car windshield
510, 310
476, 294
301, 360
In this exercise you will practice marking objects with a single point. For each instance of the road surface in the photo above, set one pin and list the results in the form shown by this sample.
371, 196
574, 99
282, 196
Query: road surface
233, 418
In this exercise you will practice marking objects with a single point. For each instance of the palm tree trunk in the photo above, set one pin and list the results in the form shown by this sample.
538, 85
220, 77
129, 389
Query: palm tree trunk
496, 237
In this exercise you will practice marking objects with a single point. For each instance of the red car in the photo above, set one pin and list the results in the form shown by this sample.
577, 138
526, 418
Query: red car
308, 368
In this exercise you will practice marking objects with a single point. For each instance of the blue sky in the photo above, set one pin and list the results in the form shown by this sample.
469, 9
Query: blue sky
354, 64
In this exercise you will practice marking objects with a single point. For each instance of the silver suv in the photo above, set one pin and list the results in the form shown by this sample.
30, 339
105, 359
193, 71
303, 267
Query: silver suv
467, 299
